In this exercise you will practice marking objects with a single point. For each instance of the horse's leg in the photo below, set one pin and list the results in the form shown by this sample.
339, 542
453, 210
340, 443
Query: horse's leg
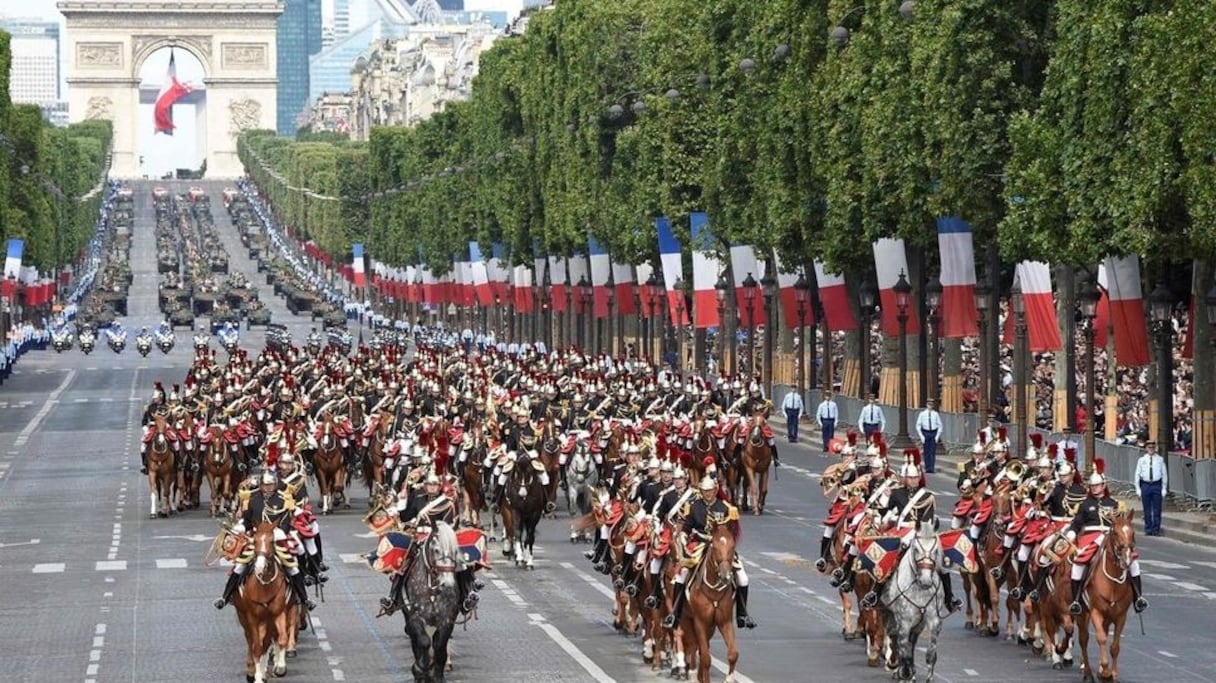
1099, 621
439, 643
1087, 673
282, 642
420, 642
341, 487
763, 489
727, 628
1116, 639
153, 507
934, 625
261, 644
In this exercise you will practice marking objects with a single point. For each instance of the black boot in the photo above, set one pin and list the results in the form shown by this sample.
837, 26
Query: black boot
1039, 580
677, 608
143, 459
1140, 603
656, 591
825, 548
561, 479
595, 551
468, 593
550, 506
1075, 607
776, 458
742, 619
393, 602
234, 582
629, 576
600, 562
1024, 586
320, 556
297, 582
952, 603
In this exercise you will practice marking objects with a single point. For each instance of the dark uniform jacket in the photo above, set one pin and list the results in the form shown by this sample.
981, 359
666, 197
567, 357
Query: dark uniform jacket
1090, 513
419, 500
667, 501
265, 508
284, 411
699, 511
153, 411
1064, 500
924, 510
649, 492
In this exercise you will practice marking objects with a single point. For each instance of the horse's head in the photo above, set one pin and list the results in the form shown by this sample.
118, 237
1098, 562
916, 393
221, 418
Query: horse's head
441, 551
263, 549
925, 555
1123, 537
722, 549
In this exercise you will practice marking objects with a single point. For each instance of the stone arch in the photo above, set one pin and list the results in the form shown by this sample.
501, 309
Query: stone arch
144, 47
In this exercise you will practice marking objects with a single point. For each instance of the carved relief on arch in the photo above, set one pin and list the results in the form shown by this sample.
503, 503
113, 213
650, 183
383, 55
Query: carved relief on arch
144, 45
100, 108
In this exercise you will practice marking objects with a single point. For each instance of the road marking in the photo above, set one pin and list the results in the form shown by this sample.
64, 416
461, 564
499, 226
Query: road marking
1161, 564
971, 672
1190, 586
1171, 655
111, 566
1159, 577
509, 592
1210, 596
571, 649
175, 563
39, 416
352, 558
49, 568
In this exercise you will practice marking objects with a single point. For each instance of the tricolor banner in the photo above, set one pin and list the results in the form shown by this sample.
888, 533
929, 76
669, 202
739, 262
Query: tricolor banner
170, 92
601, 266
1043, 333
522, 280
480, 276
958, 313
673, 271
890, 259
576, 271
12, 262
958, 550
360, 278
834, 297
879, 555
743, 262
789, 295
1119, 279
558, 292
705, 271
622, 280
498, 271
645, 271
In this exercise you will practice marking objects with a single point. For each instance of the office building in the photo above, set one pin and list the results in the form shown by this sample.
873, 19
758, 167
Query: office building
34, 77
299, 38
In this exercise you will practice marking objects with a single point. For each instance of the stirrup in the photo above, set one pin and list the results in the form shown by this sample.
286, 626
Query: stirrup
1075, 607
997, 573
821, 564
478, 584
631, 590
1140, 604
1033, 595
669, 621
838, 574
650, 602
1016, 593
869, 600
219, 603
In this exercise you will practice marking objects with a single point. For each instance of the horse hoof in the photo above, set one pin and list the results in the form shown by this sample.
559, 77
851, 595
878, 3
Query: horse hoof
279, 672
969, 626
291, 654
248, 678
1058, 666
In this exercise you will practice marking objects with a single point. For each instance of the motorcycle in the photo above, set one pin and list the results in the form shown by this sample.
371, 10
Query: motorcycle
202, 342
62, 340
165, 342
87, 340
116, 342
229, 339
143, 344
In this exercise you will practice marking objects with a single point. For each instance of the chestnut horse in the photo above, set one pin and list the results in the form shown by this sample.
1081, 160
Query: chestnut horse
1056, 626
1108, 595
373, 461
330, 467
189, 471
266, 608
757, 457
218, 466
161, 463
711, 602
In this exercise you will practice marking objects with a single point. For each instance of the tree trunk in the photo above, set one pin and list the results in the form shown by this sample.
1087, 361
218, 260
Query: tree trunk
952, 376
1064, 403
1203, 416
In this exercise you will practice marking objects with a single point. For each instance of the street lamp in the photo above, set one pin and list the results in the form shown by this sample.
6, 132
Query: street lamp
1018, 302
933, 300
801, 294
636, 289
981, 307
1160, 305
610, 322
903, 297
546, 310
1088, 299
721, 287
769, 283
584, 297
868, 297
682, 290
749, 298
654, 291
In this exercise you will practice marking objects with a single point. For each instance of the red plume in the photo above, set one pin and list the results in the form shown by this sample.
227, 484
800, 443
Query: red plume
1070, 454
1002, 432
1099, 465
852, 436
1053, 449
159, 387
1037, 439
272, 453
983, 438
707, 462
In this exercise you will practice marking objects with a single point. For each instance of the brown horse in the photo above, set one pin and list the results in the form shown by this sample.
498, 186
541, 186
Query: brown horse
1055, 622
161, 463
472, 479
703, 446
869, 619
1108, 595
757, 457
218, 466
373, 463
189, 471
266, 609
330, 468
550, 449
711, 603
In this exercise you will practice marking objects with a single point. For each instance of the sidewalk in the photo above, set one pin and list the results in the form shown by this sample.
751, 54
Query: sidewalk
1197, 528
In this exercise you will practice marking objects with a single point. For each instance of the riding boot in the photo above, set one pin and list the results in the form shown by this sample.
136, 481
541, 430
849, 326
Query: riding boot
677, 608
550, 505
1140, 603
1024, 586
1039, 580
825, 548
846, 579
1075, 607
742, 619
656, 591
234, 581
952, 603
594, 553
600, 561
776, 458
297, 583
561, 479
629, 576
320, 556
393, 602
143, 459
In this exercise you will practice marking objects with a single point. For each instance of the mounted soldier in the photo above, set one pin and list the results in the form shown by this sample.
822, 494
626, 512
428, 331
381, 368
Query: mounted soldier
523, 439
293, 484
1089, 529
156, 408
265, 504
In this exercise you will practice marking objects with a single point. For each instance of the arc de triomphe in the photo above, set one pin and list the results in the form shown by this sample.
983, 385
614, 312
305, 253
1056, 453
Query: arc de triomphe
109, 40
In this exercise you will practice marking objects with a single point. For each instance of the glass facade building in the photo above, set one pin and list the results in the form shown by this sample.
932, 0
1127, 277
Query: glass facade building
299, 38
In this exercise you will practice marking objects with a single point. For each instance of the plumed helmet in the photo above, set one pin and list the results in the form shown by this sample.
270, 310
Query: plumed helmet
431, 478
268, 477
679, 473
708, 484
1097, 479
287, 459
909, 469
1044, 462
1065, 471
666, 466
852, 437
652, 463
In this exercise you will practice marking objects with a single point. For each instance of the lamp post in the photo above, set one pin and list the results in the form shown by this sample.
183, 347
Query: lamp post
868, 295
1204, 436
655, 291
611, 322
584, 298
1019, 362
933, 301
681, 288
1088, 299
769, 283
721, 287
640, 339
903, 297
749, 300
546, 311
981, 308
1160, 304
801, 294
828, 374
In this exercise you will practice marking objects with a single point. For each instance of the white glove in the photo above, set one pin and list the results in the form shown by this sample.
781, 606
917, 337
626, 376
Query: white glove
238, 528
1071, 536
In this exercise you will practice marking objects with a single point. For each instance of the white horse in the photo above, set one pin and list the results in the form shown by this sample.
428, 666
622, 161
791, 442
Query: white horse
913, 603
581, 479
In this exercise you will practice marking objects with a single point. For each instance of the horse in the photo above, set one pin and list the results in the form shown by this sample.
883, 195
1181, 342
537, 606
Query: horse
1056, 624
472, 479
549, 452
330, 467
525, 504
161, 463
581, 480
218, 468
913, 603
757, 457
373, 462
711, 602
1107, 596
434, 602
704, 445
189, 470
266, 608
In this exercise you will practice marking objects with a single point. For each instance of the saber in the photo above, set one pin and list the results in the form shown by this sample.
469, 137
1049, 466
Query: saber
1141, 615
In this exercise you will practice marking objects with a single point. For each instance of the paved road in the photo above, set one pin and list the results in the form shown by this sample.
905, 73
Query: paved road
91, 589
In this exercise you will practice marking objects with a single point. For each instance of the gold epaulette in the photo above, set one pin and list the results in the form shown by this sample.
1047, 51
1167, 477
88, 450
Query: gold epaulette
962, 467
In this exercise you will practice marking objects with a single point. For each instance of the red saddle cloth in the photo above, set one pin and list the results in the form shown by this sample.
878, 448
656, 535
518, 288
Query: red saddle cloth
1019, 520
964, 507
302, 522
170, 435
1037, 529
662, 543
983, 512
836, 513
455, 436
1087, 544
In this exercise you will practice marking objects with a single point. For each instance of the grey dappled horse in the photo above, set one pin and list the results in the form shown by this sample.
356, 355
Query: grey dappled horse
434, 602
913, 603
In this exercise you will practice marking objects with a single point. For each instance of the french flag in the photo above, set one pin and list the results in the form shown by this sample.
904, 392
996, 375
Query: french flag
522, 279
890, 260
622, 278
958, 314
538, 266
705, 270
359, 278
834, 297
408, 293
1042, 331
558, 291
498, 271
480, 276
601, 265
673, 271
644, 271
789, 296
577, 271
466, 282
12, 262
1119, 279
170, 92
743, 262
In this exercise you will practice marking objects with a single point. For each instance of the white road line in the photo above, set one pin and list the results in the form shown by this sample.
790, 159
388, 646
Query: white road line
49, 568
1190, 586
1171, 655
110, 566
352, 558
39, 416
571, 649
1210, 596
971, 672
174, 563
1162, 564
